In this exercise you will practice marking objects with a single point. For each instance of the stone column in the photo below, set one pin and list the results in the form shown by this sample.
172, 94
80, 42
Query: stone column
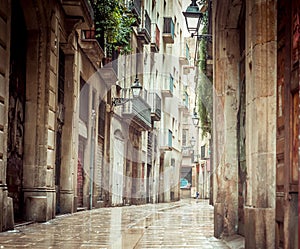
68, 163
261, 56
39, 193
226, 71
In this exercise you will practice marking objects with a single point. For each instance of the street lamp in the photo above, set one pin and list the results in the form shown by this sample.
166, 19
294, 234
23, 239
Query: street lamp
192, 144
193, 141
195, 119
136, 89
192, 17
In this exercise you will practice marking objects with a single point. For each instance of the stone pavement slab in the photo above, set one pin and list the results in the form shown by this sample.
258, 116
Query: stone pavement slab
180, 225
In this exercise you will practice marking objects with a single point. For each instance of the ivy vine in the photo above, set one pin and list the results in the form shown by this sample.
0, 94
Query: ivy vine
113, 24
205, 87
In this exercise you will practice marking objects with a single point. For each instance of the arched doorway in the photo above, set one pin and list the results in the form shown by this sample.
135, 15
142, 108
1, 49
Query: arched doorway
16, 111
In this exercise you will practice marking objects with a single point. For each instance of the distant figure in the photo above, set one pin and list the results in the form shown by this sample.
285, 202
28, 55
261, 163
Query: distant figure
197, 196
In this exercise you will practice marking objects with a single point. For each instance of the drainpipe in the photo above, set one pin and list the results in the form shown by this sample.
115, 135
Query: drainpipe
92, 159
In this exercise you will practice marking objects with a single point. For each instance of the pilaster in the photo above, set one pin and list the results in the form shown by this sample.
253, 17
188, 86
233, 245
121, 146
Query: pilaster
260, 123
39, 193
225, 131
68, 163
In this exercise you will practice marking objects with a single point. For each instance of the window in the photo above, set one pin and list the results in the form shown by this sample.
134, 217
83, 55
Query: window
84, 101
101, 119
203, 152
184, 136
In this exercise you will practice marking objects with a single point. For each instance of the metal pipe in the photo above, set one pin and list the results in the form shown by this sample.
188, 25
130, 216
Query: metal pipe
92, 159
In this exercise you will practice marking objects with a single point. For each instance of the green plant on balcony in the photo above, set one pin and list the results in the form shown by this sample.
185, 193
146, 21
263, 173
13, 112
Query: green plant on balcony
113, 25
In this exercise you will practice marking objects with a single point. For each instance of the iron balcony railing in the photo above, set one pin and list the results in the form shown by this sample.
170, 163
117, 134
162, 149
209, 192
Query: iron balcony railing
155, 38
168, 30
155, 104
166, 139
149, 147
137, 110
171, 83
184, 54
168, 87
135, 7
186, 99
144, 31
170, 138
147, 23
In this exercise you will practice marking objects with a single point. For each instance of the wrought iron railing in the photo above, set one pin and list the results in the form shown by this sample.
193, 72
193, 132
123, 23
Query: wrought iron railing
171, 83
169, 27
137, 109
186, 99
155, 35
155, 104
166, 138
147, 23
135, 6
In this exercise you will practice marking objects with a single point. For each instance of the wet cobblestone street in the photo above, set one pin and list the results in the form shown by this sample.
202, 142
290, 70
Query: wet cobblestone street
183, 224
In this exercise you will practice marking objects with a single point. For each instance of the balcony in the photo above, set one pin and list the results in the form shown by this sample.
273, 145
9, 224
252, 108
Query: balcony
155, 38
144, 32
155, 104
166, 140
184, 103
79, 9
137, 111
109, 71
185, 55
168, 31
168, 87
91, 47
187, 153
135, 7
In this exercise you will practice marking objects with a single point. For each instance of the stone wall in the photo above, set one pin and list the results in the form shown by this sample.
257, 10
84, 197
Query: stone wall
226, 82
48, 30
6, 204
260, 127
260, 122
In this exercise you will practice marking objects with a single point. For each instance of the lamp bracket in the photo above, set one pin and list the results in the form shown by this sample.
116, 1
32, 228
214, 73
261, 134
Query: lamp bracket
187, 147
207, 37
120, 101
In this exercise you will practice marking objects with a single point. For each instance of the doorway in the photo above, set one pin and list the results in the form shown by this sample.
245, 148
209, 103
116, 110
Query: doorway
117, 172
60, 123
16, 109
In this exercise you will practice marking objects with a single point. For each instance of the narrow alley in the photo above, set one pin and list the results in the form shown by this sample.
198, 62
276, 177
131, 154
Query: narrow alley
116, 114
183, 224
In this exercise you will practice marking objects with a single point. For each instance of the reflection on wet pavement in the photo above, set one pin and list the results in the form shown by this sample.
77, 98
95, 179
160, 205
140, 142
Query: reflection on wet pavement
184, 224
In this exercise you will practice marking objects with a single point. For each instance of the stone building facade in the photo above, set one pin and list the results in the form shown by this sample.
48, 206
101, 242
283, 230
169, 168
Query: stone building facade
64, 144
45, 61
256, 160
